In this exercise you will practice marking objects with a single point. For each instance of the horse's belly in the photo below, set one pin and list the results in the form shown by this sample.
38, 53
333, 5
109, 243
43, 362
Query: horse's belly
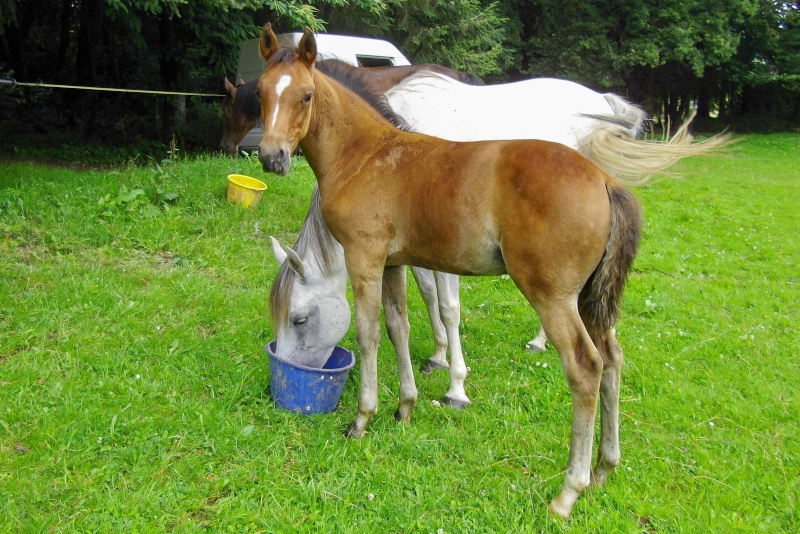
478, 259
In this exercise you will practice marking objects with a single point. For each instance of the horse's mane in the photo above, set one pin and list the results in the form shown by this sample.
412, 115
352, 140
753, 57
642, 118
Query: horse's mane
314, 238
246, 102
355, 80
358, 81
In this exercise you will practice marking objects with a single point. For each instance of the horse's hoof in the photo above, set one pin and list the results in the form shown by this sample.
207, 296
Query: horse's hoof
600, 475
431, 365
457, 404
555, 514
402, 416
533, 347
352, 431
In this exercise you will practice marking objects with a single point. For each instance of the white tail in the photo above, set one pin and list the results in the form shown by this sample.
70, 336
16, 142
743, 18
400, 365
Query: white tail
634, 161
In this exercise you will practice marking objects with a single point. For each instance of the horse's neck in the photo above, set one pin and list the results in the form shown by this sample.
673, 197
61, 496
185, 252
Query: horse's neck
387, 77
339, 120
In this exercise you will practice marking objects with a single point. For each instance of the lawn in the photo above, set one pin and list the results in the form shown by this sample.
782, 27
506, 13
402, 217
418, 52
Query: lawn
134, 388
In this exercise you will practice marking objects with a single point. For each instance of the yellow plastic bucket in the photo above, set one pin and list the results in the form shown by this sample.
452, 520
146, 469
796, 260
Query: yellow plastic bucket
244, 190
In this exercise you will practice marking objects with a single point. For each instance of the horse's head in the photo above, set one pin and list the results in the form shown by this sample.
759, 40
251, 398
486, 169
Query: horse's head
286, 92
309, 308
238, 115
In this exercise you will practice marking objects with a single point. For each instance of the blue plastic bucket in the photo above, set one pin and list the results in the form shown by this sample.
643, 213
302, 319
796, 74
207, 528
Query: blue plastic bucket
307, 390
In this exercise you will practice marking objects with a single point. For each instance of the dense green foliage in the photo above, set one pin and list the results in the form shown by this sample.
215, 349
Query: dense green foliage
737, 60
134, 387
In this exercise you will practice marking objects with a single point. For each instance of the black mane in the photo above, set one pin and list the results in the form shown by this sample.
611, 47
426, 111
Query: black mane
247, 102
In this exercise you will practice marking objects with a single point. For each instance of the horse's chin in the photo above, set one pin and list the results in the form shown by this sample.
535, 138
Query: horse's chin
276, 165
275, 160
282, 170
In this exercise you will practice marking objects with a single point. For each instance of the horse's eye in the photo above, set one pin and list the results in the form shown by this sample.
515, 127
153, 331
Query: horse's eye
300, 321
307, 98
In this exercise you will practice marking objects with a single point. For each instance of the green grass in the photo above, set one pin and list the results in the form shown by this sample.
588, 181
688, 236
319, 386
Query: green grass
134, 386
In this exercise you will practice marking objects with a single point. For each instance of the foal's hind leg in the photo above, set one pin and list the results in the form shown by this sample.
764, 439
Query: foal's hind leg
427, 289
583, 367
395, 314
608, 454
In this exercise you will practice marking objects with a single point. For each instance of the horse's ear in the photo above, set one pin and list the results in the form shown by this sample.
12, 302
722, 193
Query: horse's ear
283, 254
277, 251
295, 262
269, 43
307, 48
229, 88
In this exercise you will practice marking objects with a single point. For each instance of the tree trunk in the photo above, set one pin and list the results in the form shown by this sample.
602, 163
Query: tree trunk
704, 96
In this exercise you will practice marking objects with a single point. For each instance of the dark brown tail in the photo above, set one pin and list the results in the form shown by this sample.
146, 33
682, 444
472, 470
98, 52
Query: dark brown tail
600, 298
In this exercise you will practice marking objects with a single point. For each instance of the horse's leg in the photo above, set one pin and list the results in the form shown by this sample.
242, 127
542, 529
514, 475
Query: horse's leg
608, 452
366, 283
427, 288
538, 344
395, 313
583, 367
450, 310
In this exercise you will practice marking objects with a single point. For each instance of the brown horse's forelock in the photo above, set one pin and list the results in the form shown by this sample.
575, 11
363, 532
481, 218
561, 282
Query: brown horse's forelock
314, 238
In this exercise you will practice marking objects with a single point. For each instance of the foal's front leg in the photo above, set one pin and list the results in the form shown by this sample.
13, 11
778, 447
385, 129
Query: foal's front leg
367, 300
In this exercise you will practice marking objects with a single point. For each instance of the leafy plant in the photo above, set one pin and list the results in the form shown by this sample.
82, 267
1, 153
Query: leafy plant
123, 201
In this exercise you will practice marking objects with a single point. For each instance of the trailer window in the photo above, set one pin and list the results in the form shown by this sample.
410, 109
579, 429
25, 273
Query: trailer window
374, 61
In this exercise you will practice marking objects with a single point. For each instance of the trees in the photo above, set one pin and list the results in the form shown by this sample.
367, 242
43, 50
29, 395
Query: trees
761, 81
171, 45
652, 50
735, 59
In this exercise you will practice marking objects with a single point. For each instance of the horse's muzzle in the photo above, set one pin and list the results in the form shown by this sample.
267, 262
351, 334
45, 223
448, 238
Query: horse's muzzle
230, 149
276, 161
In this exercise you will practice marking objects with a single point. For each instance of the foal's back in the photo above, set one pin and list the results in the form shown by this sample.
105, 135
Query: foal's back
462, 205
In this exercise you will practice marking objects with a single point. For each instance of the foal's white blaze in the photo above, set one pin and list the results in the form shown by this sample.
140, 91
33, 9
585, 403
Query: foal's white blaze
283, 82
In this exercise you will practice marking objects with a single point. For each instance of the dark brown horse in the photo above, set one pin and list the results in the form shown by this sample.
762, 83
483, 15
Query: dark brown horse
387, 77
241, 108
564, 231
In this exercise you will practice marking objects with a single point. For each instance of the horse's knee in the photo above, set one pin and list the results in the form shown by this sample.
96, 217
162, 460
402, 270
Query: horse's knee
449, 308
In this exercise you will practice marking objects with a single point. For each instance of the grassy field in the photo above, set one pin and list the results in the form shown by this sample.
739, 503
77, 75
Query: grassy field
134, 386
